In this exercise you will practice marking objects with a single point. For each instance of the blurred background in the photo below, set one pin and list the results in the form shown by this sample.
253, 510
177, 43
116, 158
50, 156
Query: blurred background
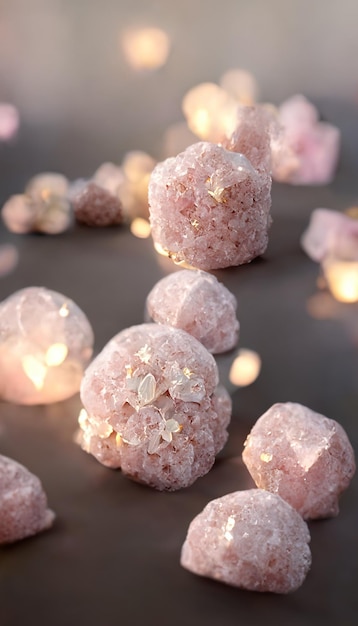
65, 66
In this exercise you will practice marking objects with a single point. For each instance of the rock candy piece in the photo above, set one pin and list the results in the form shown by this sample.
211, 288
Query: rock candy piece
308, 149
196, 302
209, 207
9, 121
250, 539
46, 342
23, 503
95, 206
302, 456
331, 234
152, 407
252, 137
43, 208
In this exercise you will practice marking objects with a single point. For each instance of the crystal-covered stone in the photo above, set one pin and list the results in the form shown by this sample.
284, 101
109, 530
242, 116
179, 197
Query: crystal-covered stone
45, 344
302, 456
23, 503
196, 302
209, 207
95, 206
250, 539
331, 234
152, 407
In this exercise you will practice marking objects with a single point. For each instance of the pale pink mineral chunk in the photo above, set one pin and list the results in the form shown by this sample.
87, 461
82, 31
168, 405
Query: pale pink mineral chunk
331, 234
23, 503
95, 206
308, 150
44, 207
196, 302
250, 539
302, 456
210, 207
9, 121
45, 343
152, 407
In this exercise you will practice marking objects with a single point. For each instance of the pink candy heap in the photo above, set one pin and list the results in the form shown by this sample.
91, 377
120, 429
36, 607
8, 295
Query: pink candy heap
153, 408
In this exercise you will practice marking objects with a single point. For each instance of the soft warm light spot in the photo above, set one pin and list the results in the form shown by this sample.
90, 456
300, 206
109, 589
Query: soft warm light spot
201, 123
265, 457
64, 310
140, 228
56, 354
82, 418
159, 248
245, 368
34, 370
342, 279
352, 211
146, 48
228, 528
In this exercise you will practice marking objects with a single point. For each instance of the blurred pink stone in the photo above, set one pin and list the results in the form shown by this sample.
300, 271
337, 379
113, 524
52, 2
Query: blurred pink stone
209, 207
331, 234
23, 503
9, 258
307, 151
302, 456
93, 205
250, 539
252, 137
9, 121
196, 302
152, 407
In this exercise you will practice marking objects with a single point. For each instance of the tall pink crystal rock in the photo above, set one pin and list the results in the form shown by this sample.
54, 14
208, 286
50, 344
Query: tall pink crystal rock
307, 151
45, 344
196, 302
23, 503
209, 207
153, 408
302, 456
250, 539
331, 234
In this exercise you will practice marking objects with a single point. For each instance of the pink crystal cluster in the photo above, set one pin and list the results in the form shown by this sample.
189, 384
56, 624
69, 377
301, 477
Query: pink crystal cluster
302, 456
209, 207
45, 343
153, 407
23, 503
198, 303
250, 539
331, 234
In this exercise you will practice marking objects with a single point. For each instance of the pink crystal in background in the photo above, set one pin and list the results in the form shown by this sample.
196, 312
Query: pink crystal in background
23, 503
250, 539
45, 343
196, 302
95, 206
153, 408
209, 207
302, 456
9, 121
307, 150
331, 234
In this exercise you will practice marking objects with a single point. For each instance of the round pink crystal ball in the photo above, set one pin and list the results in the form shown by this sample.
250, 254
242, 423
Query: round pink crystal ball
209, 207
196, 302
23, 503
45, 343
301, 455
153, 408
250, 539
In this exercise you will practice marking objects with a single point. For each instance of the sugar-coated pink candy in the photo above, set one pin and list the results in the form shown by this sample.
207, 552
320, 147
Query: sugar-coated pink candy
302, 456
331, 233
23, 503
309, 148
250, 539
153, 408
209, 207
196, 302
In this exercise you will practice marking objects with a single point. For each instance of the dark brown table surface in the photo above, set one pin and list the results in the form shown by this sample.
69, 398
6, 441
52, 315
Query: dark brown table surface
112, 556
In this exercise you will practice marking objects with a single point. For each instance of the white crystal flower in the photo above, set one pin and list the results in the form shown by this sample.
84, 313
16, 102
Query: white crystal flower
165, 433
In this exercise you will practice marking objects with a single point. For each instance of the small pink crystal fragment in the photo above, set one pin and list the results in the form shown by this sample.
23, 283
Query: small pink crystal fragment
196, 302
302, 456
95, 206
210, 207
152, 407
44, 207
307, 151
250, 539
23, 503
331, 234
9, 121
45, 344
